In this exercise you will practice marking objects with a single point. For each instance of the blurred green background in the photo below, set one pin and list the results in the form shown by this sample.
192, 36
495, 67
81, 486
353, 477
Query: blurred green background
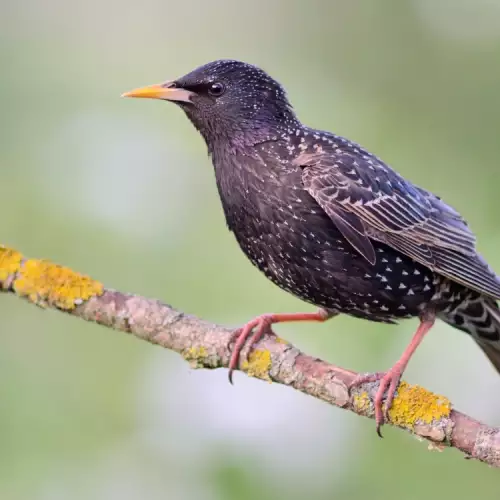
123, 190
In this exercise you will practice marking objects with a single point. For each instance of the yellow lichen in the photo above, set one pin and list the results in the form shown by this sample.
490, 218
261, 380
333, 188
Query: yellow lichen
195, 356
48, 284
279, 340
258, 364
362, 403
10, 262
414, 404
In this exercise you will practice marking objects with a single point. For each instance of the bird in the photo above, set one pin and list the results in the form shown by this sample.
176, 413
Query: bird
330, 222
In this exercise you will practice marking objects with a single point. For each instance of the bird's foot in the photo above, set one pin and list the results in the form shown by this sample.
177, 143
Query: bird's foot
256, 328
389, 381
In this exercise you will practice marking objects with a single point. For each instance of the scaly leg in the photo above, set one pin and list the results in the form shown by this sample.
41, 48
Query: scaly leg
391, 378
261, 325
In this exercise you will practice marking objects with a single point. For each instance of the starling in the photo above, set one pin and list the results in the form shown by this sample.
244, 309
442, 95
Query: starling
330, 222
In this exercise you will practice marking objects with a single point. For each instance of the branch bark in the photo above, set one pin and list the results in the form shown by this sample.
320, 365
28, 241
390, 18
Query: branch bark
206, 345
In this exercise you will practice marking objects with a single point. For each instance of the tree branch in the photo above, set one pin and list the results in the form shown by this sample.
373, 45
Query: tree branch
206, 345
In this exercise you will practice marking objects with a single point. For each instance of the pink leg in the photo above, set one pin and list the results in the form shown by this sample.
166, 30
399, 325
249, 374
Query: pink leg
261, 325
391, 378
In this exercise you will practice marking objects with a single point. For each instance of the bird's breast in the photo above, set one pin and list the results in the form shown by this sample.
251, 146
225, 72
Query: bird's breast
286, 234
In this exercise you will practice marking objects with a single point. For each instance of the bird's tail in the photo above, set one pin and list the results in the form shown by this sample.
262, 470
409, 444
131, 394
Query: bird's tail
480, 317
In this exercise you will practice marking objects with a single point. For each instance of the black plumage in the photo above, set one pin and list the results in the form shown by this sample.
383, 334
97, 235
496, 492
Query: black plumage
330, 222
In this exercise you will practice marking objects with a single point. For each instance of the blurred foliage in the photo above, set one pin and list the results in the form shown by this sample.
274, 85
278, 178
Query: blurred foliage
122, 190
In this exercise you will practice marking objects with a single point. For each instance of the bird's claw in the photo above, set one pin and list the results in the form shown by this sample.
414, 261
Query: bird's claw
249, 334
388, 381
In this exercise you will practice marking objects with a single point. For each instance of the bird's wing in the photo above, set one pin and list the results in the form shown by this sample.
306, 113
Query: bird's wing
368, 200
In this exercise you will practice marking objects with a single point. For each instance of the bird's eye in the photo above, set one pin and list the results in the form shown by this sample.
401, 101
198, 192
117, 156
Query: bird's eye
216, 89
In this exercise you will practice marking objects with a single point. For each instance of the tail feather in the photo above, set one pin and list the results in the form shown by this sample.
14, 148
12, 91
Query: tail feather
480, 317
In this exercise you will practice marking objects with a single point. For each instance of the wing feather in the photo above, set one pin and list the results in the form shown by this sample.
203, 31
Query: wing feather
382, 206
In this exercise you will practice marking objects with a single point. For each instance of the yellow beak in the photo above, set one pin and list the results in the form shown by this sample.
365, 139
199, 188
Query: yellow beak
161, 91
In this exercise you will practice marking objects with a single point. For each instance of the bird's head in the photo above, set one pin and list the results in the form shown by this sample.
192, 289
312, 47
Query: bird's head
228, 101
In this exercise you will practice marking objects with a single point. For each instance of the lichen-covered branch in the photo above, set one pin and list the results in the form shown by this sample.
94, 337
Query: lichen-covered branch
206, 345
